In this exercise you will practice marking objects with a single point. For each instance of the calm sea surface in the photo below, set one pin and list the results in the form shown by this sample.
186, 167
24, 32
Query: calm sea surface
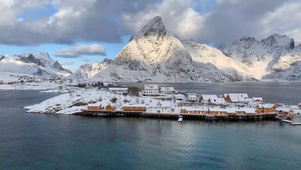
39, 141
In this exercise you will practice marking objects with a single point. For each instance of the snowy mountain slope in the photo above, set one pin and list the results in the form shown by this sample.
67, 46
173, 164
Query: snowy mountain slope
40, 65
288, 67
202, 53
154, 55
89, 70
258, 57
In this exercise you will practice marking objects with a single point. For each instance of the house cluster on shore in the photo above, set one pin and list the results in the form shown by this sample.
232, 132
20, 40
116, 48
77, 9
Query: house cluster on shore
168, 102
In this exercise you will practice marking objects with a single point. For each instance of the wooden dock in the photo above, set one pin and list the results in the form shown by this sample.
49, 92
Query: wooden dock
186, 116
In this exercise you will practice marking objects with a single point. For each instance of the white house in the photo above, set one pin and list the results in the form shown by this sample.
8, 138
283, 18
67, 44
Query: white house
151, 90
160, 107
179, 97
118, 90
168, 90
191, 97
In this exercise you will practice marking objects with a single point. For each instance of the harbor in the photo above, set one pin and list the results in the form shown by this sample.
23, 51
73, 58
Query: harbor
167, 103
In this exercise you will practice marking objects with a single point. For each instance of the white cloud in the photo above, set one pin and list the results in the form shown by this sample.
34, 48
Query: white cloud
80, 50
285, 20
107, 21
178, 16
66, 63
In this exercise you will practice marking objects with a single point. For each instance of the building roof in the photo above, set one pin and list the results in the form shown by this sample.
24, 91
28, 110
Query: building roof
133, 105
167, 88
267, 105
209, 96
94, 104
284, 109
163, 104
257, 98
217, 109
238, 97
118, 88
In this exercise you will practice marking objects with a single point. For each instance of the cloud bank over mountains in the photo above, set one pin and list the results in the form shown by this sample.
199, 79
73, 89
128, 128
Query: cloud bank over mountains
38, 22
80, 50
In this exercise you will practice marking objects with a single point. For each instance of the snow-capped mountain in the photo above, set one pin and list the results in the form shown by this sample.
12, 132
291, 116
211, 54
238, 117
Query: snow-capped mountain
287, 68
257, 58
155, 55
89, 70
39, 65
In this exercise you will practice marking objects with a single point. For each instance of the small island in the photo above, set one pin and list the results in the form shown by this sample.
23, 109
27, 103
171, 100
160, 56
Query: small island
162, 102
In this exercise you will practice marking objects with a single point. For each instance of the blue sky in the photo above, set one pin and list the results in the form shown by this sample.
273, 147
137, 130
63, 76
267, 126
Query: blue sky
77, 32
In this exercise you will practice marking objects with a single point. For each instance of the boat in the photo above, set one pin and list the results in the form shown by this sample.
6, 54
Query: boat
295, 123
287, 121
180, 119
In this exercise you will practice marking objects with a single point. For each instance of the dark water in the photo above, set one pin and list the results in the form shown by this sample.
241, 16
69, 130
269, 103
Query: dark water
39, 141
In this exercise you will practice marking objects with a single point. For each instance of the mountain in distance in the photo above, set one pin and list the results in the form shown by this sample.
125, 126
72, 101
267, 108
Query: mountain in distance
275, 58
28, 64
155, 55
87, 71
287, 67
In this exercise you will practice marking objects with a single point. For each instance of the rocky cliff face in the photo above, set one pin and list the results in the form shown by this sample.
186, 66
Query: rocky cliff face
89, 70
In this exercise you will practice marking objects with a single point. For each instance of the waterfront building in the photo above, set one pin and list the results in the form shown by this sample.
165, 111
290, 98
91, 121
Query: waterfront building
191, 97
118, 90
134, 107
236, 97
94, 107
168, 90
109, 108
151, 90
217, 111
266, 108
212, 99
194, 110
160, 107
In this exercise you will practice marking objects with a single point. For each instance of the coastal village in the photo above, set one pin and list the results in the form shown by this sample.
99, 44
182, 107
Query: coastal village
166, 102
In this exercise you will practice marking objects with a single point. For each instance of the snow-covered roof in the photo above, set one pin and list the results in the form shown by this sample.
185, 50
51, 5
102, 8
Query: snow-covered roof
216, 109
209, 96
249, 110
163, 104
117, 88
133, 105
238, 97
266, 105
257, 98
94, 104
167, 88
284, 109
191, 94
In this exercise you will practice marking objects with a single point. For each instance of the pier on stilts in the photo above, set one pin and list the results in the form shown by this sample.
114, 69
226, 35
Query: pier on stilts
176, 116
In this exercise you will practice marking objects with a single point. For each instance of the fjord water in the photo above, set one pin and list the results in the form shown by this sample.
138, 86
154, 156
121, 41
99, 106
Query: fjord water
40, 141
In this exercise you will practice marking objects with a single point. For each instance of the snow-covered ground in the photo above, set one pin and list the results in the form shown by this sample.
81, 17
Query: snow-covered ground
70, 103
